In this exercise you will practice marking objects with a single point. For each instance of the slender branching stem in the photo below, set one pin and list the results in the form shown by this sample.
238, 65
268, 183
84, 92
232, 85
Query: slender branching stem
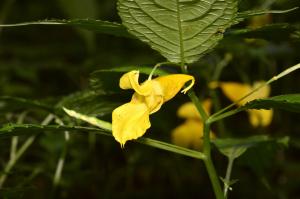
227, 176
207, 145
19, 152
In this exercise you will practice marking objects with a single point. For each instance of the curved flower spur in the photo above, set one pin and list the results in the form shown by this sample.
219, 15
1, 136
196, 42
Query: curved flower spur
131, 120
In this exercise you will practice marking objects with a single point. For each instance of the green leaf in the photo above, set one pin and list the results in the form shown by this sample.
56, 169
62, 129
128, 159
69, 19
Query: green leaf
233, 148
106, 81
181, 30
10, 130
289, 102
98, 26
91, 102
89, 119
270, 32
21, 103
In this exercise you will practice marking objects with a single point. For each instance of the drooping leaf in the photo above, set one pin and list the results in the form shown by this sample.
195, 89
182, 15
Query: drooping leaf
233, 147
261, 157
21, 103
181, 30
289, 102
98, 26
78, 10
270, 32
10, 130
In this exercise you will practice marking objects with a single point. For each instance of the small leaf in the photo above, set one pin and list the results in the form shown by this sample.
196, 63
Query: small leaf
233, 148
98, 26
181, 30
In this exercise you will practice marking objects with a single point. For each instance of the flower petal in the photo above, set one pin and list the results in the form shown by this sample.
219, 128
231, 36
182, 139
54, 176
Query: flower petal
189, 110
189, 134
171, 84
130, 80
235, 91
260, 117
130, 121
261, 93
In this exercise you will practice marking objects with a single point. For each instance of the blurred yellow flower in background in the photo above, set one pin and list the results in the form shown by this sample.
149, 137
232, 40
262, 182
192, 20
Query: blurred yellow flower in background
190, 133
234, 91
131, 120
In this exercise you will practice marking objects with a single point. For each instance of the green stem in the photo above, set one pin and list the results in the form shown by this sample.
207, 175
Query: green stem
209, 164
217, 106
220, 114
18, 154
207, 147
62, 157
227, 177
194, 98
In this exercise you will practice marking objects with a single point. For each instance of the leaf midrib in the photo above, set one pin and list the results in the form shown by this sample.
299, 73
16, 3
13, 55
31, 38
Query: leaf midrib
182, 60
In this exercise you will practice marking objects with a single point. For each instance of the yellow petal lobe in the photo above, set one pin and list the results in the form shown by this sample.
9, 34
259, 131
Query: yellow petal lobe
171, 84
260, 117
189, 110
261, 93
189, 134
130, 80
235, 91
130, 121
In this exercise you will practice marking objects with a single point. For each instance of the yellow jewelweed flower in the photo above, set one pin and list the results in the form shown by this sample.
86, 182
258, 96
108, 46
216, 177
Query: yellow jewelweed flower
131, 120
190, 133
234, 91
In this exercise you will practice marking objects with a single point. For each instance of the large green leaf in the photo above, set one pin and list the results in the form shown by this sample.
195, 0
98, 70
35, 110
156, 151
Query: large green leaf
181, 30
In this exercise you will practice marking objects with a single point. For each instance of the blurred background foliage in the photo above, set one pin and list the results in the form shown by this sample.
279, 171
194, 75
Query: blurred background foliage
53, 64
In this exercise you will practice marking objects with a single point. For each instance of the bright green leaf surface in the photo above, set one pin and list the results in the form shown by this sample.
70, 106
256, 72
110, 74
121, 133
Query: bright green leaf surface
181, 30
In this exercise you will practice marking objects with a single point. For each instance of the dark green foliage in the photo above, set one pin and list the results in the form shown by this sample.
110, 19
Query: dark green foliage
76, 63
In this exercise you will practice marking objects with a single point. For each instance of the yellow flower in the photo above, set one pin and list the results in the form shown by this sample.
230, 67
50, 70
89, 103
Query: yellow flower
234, 91
131, 120
190, 133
